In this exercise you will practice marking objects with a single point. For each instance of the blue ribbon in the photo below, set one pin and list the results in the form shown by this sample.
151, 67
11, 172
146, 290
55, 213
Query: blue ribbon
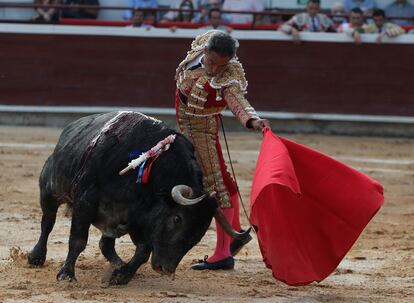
141, 171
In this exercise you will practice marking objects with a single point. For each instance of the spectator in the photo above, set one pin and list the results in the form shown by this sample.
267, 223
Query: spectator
381, 27
310, 21
400, 8
355, 26
338, 14
242, 5
367, 6
138, 20
141, 4
205, 7
46, 14
81, 13
185, 14
214, 16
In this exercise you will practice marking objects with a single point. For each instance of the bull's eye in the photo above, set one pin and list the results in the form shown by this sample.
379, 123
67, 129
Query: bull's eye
177, 220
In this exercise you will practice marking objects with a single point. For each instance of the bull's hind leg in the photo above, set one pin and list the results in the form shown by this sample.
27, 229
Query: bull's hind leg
107, 246
84, 211
49, 207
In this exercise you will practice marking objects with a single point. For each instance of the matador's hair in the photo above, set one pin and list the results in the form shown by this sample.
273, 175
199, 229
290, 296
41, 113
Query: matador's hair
223, 44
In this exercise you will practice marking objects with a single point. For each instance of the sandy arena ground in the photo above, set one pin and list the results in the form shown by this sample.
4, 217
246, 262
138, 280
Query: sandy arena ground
379, 268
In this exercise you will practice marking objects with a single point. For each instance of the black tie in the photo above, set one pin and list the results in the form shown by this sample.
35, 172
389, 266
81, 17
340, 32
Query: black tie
314, 25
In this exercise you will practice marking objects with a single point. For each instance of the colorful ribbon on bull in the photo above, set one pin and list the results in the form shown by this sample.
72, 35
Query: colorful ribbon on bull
145, 169
141, 172
154, 152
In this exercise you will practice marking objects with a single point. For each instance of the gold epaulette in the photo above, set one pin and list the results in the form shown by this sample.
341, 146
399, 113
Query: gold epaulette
233, 75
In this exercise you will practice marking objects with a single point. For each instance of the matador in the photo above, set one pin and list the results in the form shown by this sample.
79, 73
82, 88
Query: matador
209, 79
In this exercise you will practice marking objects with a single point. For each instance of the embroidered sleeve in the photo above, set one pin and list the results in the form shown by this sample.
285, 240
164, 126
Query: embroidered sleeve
239, 105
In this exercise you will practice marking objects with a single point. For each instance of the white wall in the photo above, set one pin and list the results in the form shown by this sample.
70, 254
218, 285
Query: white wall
286, 4
164, 2
17, 13
105, 14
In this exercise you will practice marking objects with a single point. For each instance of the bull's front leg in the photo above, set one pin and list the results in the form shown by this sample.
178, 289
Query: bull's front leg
84, 211
125, 273
107, 246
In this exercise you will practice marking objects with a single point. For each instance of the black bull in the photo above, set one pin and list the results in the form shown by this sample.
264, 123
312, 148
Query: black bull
83, 171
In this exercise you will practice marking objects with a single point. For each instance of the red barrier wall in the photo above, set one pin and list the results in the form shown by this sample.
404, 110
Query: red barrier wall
324, 77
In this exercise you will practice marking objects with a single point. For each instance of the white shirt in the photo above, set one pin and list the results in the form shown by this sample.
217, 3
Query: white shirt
196, 61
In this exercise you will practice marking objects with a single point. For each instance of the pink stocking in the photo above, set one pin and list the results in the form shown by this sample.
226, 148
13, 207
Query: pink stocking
223, 240
234, 200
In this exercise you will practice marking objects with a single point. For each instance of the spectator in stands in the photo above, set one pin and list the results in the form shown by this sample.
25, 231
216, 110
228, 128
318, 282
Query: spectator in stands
383, 28
205, 7
81, 13
355, 26
338, 14
242, 5
310, 21
185, 14
138, 20
214, 16
400, 8
367, 6
47, 14
187, 11
141, 4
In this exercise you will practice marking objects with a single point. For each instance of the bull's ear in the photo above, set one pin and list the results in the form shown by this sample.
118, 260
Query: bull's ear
212, 194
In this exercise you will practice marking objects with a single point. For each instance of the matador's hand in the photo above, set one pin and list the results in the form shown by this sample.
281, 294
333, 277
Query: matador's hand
260, 124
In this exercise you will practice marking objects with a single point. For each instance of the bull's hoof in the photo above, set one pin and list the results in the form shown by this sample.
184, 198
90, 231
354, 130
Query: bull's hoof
36, 260
120, 276
36, 257
65, 274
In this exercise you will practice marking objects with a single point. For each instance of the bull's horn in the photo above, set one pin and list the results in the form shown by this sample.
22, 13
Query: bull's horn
221, 219
182, 193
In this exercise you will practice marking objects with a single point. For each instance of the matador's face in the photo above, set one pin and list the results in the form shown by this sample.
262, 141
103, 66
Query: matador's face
214, 63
